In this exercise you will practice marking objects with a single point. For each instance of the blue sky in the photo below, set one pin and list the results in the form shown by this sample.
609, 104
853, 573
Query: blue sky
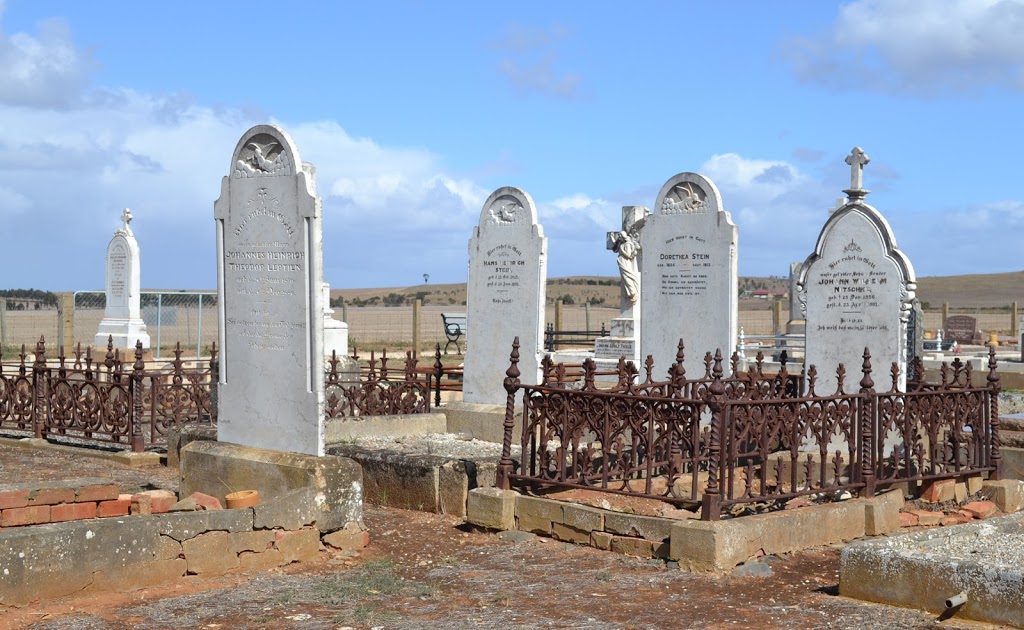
413, 112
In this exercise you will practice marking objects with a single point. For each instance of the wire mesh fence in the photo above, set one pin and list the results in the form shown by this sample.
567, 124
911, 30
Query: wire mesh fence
171, 317
190, 318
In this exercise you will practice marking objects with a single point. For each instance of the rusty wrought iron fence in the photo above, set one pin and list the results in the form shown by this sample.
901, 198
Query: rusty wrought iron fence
372, 391
105, 400
752, 437
88, 399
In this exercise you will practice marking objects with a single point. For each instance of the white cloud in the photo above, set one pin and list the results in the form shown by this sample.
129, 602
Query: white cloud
532, 61
44, 70
924, 48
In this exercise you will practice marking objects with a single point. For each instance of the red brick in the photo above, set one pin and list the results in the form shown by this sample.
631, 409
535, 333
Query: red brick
31, 515
907, 519
118, 507
99, 492
72, 512
980, 509
924, 517
205, 501
940, 490
13, 499
161, 500
142, 504
51, 496
956, 518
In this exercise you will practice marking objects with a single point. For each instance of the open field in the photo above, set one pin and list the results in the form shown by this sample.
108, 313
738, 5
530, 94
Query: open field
373, 325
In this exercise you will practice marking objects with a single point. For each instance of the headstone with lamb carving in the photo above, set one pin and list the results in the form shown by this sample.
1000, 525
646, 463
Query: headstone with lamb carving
505, 295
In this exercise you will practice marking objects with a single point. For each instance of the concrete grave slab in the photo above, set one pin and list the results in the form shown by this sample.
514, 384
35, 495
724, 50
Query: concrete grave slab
984, 560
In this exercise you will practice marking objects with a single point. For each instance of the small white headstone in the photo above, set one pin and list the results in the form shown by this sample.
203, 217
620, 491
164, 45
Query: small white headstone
505, 295
270, 297
335, 332
122, 318
858, 289
690, 287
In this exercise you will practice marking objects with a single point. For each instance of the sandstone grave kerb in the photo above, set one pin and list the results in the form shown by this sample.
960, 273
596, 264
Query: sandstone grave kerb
325, 490
44, 562
700, 546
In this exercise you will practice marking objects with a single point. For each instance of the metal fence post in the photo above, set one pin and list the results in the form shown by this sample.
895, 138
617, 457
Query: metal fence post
586, 314
3, 322
558, 315
512, 374
945, 314
1013, 320
136, 440
199, 329
40, 397
159, 315
416, 304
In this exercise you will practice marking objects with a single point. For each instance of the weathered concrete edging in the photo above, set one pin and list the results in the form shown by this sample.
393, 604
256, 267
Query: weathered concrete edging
48, 561
715, 546
299, 489
145, 459
923, 569
339, 429
482, 422
427, 483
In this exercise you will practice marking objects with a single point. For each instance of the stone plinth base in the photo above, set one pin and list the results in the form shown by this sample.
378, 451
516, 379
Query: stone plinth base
342, 429
482, 422
335, 338
427, 483
295, 490
125, 333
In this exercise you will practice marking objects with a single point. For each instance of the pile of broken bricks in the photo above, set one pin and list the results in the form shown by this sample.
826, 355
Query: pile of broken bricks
948, 502
36, 503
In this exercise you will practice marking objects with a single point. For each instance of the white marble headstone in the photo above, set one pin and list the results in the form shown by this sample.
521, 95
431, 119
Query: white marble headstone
858, 290
505, 295
689, 282
122, 318
270, 297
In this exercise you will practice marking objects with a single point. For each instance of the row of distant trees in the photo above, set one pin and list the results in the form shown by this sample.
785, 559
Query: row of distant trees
41, 299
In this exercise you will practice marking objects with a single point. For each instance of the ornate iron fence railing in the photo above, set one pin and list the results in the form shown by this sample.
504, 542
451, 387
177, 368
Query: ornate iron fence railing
751, 437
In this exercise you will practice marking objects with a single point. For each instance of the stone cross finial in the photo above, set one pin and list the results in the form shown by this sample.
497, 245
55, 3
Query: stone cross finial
126, 218
857, 159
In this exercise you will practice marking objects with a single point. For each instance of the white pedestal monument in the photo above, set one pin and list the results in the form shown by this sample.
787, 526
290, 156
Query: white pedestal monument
122, 319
